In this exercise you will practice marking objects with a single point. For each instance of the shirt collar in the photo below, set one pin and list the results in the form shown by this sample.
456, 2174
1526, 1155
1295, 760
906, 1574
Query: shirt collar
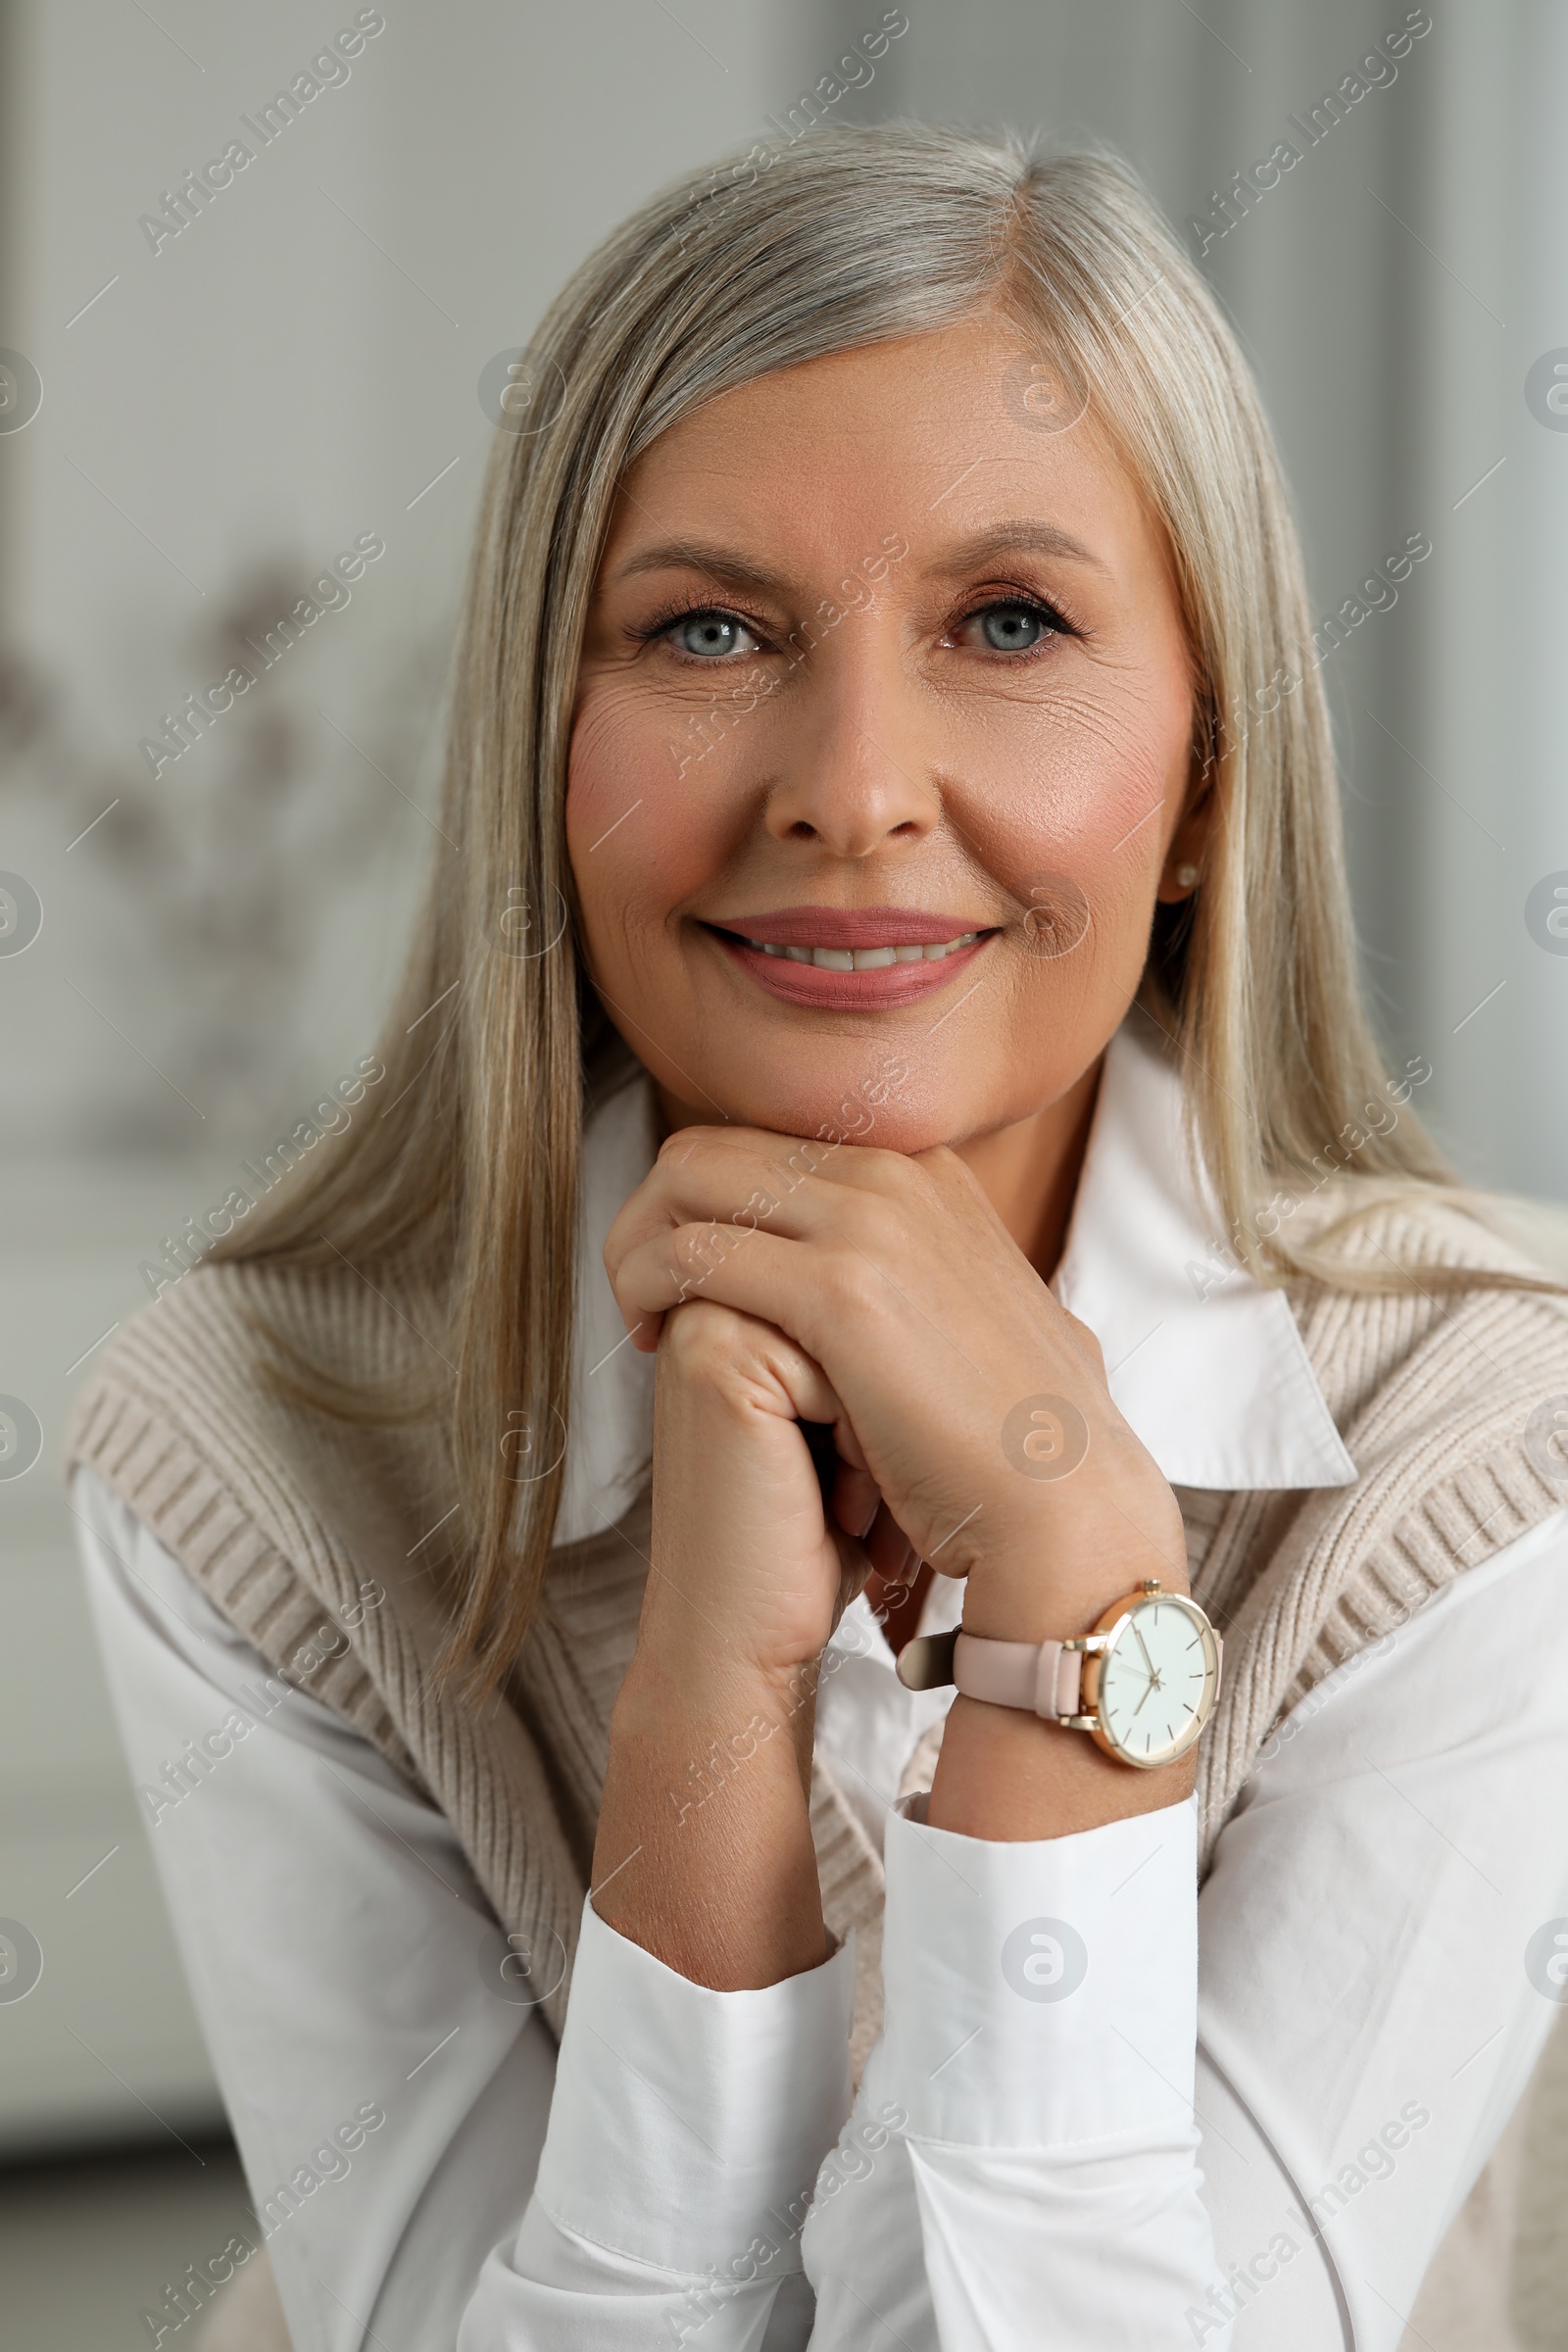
1207, 1365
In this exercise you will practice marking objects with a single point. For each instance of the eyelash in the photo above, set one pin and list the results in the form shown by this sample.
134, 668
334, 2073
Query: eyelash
669, 616
1019, 599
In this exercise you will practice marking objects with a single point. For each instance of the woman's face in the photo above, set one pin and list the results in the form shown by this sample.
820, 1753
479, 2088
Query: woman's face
878, 662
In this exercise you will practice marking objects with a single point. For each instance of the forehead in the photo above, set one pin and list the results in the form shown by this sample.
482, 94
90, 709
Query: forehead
933, 435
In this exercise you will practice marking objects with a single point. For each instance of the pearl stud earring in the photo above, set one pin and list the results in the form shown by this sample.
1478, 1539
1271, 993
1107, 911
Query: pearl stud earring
1186, 875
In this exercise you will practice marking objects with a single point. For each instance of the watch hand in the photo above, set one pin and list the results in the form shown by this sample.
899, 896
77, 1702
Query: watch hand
1152, 1685
1138, 1638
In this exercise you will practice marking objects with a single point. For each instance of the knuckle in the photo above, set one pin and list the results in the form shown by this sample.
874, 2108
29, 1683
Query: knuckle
699, 1251
699, 1337
854, 1285
1085, 1339
884, 1170
803, 1161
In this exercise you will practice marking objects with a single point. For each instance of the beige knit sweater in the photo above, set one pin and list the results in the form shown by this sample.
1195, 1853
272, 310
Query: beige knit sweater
277, 1512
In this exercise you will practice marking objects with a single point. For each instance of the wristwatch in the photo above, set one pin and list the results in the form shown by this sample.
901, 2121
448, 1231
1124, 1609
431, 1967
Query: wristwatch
1141, 1685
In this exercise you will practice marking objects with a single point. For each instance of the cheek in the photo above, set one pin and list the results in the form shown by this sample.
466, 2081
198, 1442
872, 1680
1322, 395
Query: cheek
640, 837
1071, 805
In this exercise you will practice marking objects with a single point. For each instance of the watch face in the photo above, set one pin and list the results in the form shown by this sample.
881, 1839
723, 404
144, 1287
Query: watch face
1158, 1680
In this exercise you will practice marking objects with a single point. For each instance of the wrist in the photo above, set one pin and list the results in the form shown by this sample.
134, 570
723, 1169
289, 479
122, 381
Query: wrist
1004, 1775
1007, 1770
703, 1853
1031, 1588
675, 1692
1034, 1608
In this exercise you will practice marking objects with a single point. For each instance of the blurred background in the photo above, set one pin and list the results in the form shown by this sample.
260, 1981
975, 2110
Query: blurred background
197, 415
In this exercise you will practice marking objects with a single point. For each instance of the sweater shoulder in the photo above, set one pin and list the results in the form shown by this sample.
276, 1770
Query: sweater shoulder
210, 1344
194, 1417
1369, 1221
1434, 1281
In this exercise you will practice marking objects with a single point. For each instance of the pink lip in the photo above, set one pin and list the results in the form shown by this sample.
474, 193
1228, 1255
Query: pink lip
850, 992
849, 927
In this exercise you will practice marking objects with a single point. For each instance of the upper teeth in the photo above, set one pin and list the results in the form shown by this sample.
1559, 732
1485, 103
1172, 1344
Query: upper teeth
865, 959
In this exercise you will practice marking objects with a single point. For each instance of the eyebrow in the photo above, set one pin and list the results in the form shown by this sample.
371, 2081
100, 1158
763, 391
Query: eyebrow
1023, 536
690, 555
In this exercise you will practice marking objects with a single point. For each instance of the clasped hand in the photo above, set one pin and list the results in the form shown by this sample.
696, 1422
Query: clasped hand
782, 1281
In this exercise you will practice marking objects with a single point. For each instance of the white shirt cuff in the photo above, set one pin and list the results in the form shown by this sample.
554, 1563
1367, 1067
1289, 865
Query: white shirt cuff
1042, 1994
682, 2116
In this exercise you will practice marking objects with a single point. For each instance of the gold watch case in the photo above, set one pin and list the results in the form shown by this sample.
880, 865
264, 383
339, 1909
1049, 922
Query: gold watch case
1128, 1625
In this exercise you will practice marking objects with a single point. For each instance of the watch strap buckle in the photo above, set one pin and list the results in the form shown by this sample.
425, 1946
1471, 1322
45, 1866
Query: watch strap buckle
926, 1662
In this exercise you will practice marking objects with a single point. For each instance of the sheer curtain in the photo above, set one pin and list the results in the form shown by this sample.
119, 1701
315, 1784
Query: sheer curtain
1399, 287
1393, 287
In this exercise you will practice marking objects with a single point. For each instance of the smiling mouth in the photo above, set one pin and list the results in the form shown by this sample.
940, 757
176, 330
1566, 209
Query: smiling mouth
856, 959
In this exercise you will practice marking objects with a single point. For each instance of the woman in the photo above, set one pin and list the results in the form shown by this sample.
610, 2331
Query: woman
890, 815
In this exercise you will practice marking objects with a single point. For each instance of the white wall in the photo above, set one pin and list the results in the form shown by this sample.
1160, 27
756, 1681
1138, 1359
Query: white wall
292, 370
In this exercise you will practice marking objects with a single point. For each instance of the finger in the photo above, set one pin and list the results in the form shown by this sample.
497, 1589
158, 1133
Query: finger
743, 1177
644, 1330
854, 1569
721, 1344
891, 1553
856, 1500
755, 1272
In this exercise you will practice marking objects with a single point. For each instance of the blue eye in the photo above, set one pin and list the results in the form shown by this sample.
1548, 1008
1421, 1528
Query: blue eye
710, 636
1013, 628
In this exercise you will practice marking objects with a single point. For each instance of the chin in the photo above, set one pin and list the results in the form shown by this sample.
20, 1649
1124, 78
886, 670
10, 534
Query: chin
873, 1096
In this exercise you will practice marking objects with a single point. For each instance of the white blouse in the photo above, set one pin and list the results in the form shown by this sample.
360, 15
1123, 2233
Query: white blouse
1103, 2112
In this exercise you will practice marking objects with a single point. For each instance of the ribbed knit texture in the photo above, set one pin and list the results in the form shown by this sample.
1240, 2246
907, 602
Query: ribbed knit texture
278, 1513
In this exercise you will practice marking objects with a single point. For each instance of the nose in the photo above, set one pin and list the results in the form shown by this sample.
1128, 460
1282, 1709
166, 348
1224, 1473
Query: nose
854, 777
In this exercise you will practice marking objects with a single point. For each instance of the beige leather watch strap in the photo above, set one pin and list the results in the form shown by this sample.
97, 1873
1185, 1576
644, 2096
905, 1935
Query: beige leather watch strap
1043, 1676
1046, 1677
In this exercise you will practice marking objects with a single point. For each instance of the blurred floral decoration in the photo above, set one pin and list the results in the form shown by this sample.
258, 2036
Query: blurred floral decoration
222, 885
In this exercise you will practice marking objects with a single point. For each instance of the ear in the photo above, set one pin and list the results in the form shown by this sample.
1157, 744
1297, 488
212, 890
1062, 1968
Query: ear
1182, 869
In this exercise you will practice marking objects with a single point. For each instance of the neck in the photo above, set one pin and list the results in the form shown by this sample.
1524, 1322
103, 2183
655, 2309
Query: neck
1029, 1171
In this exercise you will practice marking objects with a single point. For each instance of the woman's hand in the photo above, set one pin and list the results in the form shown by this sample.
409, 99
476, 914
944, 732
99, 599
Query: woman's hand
703, 1852
757, 1574
783, 1281
965, 1399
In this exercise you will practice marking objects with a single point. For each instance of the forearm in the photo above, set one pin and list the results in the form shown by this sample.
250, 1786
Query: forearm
704, 1854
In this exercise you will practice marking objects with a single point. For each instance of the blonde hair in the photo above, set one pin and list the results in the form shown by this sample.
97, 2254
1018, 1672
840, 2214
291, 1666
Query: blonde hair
842, 238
